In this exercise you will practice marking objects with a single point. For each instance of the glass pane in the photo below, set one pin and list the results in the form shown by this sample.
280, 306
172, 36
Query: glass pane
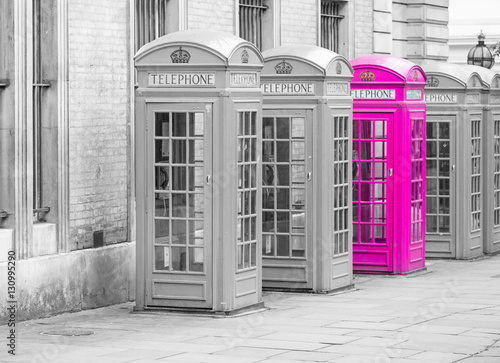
162, 124
298, 174
246, 256
366, 171
179, 152
355, 192
253, 254
162, 258
379, 213
196, 124
195, 232
366, 233
178, 257
282, 128
444, 186
298, 198
379, 171
283, 151
195, 151
431, 149
283, 245
162, 151
162, 231
366, 150
444, 206
365, 192
162, 204
298, 151
366, 129
431, 205
380, 150
355, 213
380, 130
444, 149
283, 222
178, 231
431, 167
365, 213
298, 127
444, 224
444, 168
268, 151
379, 191
268, 221
178, 178
432, 186
379, 233
431, 130
161, 178
268, 245
298, 246
283, 201
298, 222
431, 224
178, 124
444, 130
268, 128
196, 259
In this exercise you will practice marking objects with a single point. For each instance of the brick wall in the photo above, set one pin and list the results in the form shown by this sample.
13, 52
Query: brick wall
98, 120
363, 28
216, 14
299, 20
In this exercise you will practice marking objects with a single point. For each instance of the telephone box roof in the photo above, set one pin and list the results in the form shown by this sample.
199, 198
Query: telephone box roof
401, 67
458, 72
319, 57
220, 43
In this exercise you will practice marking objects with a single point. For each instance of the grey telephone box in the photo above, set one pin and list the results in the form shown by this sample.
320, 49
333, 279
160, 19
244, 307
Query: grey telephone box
306, 151
455, 211
198, 131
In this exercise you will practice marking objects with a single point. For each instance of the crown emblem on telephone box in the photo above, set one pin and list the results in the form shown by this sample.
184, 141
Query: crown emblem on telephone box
367, 76
432, 82
283, 68
180, 56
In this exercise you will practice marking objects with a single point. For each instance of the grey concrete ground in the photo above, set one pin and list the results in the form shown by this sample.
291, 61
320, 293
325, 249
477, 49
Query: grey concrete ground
449, 314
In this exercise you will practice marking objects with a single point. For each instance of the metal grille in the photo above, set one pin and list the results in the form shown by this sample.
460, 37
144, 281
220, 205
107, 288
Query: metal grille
496, 178
476, 175
340, 186
417, 163
247, 190
251, 12
150, 21
330, 25
284, 192
438, 177
179, 192
370, 181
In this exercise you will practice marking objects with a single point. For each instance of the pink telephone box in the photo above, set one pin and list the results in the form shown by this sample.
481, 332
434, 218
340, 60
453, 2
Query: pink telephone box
388, 165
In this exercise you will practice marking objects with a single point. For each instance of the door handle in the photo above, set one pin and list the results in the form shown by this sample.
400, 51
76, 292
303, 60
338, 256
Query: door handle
309, 176
453, 168
208, 179
390, 171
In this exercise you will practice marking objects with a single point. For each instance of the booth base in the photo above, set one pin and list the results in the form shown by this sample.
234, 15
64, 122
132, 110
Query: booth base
255, 308
414, 272
308, 291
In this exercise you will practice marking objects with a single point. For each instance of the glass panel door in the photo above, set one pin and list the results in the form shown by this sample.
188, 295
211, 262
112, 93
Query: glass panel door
372, 192
181, 227
285, 173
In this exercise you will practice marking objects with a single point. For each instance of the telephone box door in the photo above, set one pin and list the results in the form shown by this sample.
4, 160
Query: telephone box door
179, 223
286, 215
373, 192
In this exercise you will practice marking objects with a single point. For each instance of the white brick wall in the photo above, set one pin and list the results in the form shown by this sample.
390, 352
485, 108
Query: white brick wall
299, 21
363, 28
98, 120
214, 14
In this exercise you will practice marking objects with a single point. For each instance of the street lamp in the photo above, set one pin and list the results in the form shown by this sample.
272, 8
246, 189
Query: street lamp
481, 55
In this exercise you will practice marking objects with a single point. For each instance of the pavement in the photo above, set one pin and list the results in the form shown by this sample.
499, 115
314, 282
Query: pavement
451, 313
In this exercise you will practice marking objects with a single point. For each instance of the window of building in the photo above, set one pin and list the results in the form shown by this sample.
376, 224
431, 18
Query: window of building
251, 14
150, 21
331, 19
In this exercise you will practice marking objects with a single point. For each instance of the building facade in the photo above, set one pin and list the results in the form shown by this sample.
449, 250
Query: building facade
67, 200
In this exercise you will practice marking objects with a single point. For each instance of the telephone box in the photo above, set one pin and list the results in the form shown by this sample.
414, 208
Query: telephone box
490, 100
454, 218
388, 165
198, 132
306, 143
491, 129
